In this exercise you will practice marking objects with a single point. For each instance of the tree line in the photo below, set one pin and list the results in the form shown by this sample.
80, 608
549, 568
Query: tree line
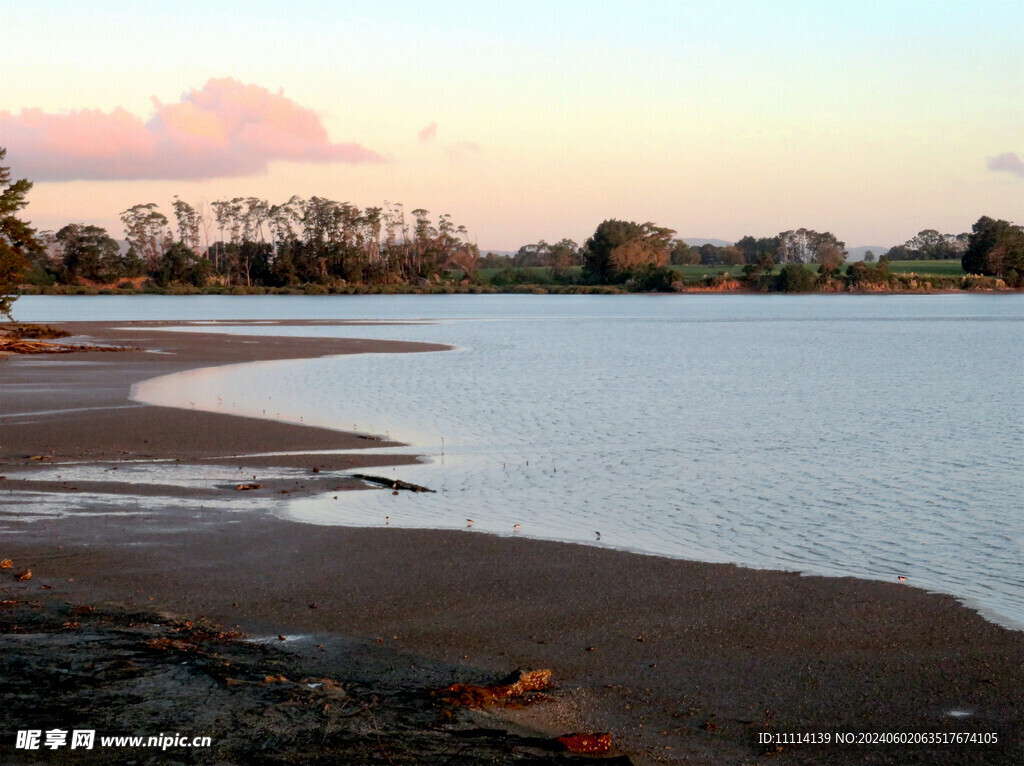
246, 242
620, 251
250, 242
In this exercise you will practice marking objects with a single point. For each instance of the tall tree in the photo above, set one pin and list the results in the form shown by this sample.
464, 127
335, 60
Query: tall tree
806, 245
17, 238
189, 221
230, 215
146, 230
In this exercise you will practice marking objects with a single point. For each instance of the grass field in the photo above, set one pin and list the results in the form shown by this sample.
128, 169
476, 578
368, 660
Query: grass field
939, 268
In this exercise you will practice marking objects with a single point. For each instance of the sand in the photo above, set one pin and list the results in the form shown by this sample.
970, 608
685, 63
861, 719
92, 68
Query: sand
682, 662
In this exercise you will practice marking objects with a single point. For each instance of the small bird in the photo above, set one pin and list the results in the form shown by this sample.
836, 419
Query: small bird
469, 522
387, 519
901, 578
515, 528
598, 535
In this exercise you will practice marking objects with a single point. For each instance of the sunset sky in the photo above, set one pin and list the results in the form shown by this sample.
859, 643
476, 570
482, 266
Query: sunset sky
529, 120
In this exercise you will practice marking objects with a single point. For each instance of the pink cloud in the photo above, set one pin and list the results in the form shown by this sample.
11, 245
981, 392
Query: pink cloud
1007, 162
225, 129
428, 134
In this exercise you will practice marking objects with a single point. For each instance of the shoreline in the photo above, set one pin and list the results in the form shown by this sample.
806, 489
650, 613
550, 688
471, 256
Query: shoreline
638, 645
730, 287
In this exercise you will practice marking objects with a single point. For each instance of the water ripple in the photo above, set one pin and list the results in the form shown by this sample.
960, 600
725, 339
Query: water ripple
807, 436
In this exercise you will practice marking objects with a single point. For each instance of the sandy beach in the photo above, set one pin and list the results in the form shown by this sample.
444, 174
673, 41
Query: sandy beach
129, 618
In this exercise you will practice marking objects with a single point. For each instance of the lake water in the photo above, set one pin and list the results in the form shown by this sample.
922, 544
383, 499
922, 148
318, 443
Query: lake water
872, 436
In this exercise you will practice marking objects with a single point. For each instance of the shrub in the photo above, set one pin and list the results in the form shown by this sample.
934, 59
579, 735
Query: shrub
794, 278
651, 279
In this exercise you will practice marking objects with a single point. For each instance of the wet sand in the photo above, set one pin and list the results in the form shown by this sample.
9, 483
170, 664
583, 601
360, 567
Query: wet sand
682, 662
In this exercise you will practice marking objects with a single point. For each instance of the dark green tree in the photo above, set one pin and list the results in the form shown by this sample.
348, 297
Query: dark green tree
17, 238
930, 245
795, 278
755, 249
995, 248
710, 255
652, 279
88, 252
179, 264
683, 255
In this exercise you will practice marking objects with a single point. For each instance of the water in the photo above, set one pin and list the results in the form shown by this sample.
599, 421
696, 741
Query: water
872, 436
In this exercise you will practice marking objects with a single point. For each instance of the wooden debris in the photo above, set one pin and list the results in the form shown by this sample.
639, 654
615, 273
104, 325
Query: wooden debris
36, 331
22, 346
395, 484
587, 743
519, 683
243, 487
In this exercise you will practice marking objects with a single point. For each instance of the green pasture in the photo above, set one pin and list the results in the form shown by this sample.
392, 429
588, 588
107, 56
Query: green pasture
937, 268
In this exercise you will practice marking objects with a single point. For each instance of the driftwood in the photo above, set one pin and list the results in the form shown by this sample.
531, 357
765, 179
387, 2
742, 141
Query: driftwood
392, 483
22, 346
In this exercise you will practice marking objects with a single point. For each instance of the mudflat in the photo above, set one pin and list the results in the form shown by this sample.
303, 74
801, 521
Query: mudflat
150, 610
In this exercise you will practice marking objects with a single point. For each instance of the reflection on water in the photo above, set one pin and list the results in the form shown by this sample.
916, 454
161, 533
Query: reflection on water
852, 435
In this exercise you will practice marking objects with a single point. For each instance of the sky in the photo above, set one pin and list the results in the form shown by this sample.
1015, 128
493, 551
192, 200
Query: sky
529, 120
